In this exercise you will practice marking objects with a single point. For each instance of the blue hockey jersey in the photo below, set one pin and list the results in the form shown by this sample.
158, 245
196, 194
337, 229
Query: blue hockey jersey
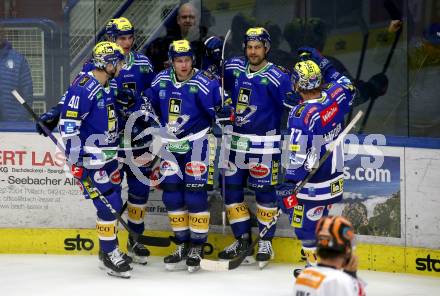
88, 122
313, 125
186, 107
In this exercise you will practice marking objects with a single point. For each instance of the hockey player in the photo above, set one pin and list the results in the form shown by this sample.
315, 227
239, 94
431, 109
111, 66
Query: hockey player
184, 99
335, 273
327, 98
89, 130
134, 78
258, 91
187, 127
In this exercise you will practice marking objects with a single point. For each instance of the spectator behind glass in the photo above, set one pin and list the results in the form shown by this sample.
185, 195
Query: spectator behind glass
14, 74
187, 25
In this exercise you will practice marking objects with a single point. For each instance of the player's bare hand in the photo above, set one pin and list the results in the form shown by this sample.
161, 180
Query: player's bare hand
394, 26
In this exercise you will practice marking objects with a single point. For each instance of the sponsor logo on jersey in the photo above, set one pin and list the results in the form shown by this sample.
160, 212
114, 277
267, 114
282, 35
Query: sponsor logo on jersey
337, 186
328, 137
174, 109
275, 168
77, 171
258, 170
69, 127
195, 168
428, 263
336, 92
144, 69
71, 114
244, 98
193, 89
101, 177
111, 113
84, 80
130, 85
329, 113
162, 84
115, 177
99, 95
162, 93
309, 114
299, 111
100, 104
168, 168
314, 214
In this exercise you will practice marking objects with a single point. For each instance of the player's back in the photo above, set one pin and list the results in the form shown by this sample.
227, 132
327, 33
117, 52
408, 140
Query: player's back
326, 281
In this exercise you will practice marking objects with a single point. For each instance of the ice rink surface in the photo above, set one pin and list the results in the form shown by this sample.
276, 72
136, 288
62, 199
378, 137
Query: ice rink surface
47, 275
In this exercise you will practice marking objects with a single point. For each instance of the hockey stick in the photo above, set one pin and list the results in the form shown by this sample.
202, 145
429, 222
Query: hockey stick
395, 14
214, 265
365, 35
223, 104
142, 239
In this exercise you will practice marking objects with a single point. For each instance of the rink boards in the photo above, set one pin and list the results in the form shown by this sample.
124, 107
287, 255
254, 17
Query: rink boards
390, 194
287, 250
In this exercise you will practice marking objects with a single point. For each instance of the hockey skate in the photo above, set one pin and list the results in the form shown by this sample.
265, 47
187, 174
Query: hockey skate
127, 258
239, 246
137, 251
265, 253
177, 260
195, 254
115, 264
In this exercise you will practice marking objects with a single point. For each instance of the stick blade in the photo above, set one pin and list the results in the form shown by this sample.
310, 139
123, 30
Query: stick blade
213, 265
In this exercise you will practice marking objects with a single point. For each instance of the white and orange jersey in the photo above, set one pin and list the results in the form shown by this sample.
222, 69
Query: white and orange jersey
327, 281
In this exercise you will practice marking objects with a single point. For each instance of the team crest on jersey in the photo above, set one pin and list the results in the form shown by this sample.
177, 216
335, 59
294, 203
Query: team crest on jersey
174, 109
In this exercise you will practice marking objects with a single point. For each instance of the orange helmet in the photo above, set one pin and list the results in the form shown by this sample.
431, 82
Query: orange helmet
334, 233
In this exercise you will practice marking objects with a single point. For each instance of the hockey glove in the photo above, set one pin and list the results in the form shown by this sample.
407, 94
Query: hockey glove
213, 48
126, 97
224, 115
285, 197
310, 53
292, 99
50, 120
